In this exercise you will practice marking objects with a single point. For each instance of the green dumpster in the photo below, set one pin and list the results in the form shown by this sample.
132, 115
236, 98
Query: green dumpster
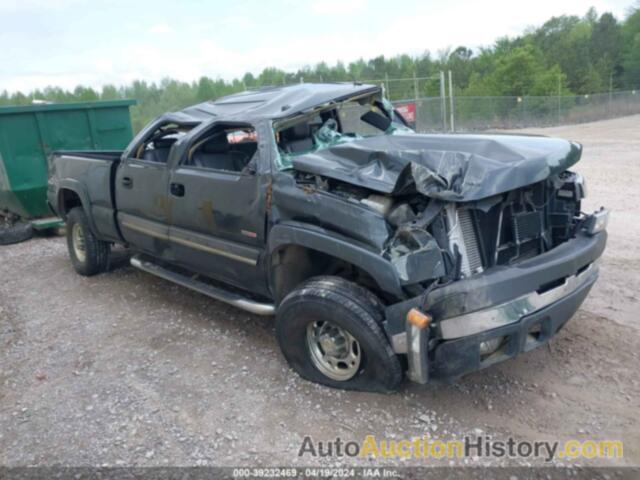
28, 134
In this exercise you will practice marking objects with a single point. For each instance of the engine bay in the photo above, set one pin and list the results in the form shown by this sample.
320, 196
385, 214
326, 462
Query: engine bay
432, 242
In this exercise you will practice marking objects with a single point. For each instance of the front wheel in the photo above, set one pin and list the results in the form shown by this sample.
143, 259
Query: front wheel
89, 255
329, 330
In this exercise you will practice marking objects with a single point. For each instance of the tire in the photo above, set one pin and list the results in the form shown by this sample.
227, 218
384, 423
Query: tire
16, 233
325, 303
96, 252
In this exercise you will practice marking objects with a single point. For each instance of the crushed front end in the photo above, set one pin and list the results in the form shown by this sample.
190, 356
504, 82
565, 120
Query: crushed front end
518, 267
483, 234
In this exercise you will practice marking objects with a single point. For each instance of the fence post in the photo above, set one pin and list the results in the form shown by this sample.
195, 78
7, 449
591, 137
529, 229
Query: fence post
453, 125
443, 102
610, 93
386, 81
559, 98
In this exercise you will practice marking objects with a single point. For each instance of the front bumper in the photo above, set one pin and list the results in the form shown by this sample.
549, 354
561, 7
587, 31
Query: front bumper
526, 303
453, 358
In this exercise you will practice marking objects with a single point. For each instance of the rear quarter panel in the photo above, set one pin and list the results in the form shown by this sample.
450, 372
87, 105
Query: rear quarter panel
91, 178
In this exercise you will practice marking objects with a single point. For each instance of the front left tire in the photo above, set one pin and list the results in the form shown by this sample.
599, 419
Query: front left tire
330, 332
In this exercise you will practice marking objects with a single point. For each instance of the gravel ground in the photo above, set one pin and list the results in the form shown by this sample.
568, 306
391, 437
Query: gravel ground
127, 369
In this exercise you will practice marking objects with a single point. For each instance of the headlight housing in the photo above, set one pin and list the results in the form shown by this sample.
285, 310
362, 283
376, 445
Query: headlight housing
597, 222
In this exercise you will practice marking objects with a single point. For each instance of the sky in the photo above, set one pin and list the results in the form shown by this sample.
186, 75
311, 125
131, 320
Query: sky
70, 42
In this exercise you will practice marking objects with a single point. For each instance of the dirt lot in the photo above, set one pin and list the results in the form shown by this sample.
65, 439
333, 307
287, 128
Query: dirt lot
127, 369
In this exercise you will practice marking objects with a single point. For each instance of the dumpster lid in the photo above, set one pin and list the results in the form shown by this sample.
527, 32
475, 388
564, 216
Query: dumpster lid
45, 107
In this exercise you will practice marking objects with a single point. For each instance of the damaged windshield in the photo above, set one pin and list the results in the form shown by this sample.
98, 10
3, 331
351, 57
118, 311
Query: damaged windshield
336, 123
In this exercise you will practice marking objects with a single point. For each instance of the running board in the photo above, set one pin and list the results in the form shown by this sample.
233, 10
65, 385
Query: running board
201, 287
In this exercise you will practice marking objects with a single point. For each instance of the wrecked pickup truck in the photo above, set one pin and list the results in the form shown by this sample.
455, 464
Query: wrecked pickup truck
380, 251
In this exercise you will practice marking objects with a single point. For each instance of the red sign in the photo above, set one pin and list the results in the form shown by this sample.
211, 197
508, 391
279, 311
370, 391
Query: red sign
408, 111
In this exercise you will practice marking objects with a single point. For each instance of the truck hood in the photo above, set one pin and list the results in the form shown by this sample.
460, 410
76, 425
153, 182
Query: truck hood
456, 168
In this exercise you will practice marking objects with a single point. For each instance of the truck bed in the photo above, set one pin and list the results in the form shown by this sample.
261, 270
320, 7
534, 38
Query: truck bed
91, 175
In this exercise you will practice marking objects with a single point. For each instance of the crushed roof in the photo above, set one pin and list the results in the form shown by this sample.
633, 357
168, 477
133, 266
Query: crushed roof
273, 102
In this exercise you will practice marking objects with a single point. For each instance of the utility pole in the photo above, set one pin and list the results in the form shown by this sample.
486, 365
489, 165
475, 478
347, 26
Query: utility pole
443, 102
453, 125
415, 86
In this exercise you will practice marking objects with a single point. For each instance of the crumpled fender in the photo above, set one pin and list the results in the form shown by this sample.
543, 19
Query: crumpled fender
338, 246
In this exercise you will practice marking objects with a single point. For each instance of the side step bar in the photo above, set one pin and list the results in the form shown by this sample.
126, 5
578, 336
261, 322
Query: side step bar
201, 287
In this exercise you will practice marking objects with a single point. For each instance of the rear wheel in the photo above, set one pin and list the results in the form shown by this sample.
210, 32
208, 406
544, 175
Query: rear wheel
329, 330
89, 255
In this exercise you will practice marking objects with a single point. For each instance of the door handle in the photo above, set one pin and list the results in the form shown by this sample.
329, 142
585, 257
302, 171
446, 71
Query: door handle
177, 189
127, 182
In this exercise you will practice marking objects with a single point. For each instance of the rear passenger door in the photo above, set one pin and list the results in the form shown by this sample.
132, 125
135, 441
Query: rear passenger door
141, 185
218, 208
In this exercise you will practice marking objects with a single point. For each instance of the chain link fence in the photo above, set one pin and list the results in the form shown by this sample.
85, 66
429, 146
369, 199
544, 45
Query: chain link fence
428, 106
434, 114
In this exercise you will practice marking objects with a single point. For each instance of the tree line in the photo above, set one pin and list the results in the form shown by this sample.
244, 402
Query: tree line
567, 55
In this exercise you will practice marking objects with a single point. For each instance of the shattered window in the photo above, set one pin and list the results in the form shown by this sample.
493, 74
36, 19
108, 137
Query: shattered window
155, 148
344, 122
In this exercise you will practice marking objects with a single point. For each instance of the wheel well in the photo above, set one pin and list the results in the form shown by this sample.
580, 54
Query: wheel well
68, 200
293, 264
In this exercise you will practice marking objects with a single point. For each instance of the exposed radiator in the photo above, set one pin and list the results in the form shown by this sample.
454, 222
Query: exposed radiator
470, 240
462, 235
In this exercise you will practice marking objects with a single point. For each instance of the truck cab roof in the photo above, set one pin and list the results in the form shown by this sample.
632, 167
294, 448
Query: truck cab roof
274, 102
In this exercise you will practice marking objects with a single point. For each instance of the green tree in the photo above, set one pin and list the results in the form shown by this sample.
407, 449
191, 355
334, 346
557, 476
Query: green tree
109, 92
515, 72
206, 89
605, 48
631, 49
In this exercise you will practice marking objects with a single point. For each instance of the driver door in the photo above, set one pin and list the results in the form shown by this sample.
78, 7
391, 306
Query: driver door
218, 207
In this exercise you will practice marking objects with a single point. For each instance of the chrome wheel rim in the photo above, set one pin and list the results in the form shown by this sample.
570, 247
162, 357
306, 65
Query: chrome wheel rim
334, 351
79, 246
